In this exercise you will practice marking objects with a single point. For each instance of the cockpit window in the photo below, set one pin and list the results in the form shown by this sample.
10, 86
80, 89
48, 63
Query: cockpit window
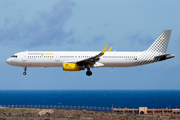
14, 56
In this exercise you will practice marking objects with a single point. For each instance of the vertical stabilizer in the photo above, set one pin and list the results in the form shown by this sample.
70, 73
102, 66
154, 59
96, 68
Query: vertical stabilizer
161, 43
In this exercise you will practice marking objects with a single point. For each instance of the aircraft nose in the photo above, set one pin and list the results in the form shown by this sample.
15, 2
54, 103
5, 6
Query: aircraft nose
8, 61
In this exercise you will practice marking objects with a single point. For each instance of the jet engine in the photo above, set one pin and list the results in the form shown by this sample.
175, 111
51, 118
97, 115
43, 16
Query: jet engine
72, 67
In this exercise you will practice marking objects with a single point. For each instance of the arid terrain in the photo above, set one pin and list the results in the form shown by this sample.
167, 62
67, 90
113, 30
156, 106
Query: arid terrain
54, 114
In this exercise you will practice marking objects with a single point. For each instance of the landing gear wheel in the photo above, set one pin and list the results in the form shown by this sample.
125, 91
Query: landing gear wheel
25, 68
88, 73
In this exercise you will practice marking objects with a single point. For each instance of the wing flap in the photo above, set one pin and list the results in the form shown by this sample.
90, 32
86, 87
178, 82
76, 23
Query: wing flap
98, 64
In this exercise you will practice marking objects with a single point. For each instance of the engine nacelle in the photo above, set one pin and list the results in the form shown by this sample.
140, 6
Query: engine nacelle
72, 67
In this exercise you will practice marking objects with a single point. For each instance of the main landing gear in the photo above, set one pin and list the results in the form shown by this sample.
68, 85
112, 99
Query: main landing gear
25, 68
88, 73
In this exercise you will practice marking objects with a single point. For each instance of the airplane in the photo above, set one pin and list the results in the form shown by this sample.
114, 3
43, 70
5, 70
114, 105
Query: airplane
81, 60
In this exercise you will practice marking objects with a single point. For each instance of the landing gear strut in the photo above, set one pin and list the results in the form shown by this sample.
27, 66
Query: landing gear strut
25, 68
88, 73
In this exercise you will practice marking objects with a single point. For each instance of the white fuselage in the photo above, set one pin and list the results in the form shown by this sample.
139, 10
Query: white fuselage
79, 60
56, 59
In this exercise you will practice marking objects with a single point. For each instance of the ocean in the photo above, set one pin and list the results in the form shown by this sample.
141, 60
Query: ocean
98, 98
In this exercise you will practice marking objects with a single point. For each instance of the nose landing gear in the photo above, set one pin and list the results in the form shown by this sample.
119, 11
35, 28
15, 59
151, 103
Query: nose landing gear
25, 68
88, 73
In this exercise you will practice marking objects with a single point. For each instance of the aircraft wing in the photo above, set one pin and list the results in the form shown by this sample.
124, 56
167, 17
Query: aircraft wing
92, 60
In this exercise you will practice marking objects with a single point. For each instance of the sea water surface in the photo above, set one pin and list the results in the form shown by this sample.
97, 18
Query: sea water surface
99, 98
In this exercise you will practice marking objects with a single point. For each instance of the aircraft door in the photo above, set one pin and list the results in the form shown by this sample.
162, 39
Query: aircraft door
24, 57
57, 57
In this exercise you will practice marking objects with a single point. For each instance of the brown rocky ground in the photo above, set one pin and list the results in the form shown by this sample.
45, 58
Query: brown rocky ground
54, 114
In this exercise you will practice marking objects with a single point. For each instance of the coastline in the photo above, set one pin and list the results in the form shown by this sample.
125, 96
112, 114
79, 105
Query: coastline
59, 114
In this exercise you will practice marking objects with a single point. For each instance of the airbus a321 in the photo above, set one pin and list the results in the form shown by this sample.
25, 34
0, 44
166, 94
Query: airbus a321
79, 60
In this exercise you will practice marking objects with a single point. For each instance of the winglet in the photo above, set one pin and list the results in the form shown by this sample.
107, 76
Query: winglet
110, 49
104, 49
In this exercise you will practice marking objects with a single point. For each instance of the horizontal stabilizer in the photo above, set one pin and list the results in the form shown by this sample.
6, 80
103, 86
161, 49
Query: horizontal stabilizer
165, 56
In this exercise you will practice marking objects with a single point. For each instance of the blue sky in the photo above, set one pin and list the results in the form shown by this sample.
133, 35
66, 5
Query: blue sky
88, 25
